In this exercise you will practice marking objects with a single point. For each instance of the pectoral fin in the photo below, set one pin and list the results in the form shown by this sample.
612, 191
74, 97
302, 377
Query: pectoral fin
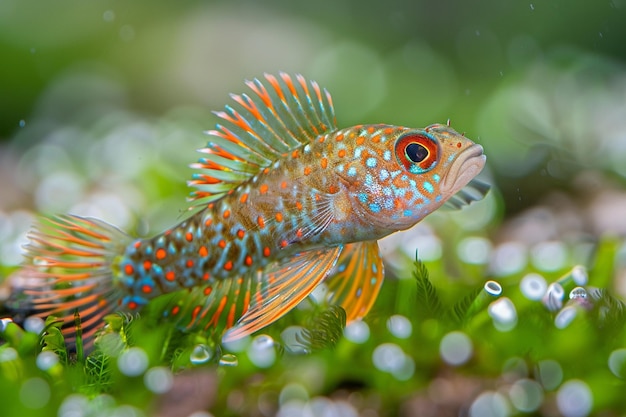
358, 278
282, 287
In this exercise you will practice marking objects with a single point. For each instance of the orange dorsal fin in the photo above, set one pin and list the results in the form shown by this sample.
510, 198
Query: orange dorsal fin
281, 114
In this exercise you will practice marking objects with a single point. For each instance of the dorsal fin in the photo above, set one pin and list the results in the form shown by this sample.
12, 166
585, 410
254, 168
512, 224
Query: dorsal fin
257, 130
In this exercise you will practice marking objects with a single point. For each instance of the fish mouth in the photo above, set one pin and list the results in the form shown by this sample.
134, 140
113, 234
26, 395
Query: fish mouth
464, 168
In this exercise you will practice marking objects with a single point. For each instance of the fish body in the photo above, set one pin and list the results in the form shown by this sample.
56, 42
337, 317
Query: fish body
284, 200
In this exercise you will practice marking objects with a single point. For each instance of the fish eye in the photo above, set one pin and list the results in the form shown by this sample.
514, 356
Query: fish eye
417, 152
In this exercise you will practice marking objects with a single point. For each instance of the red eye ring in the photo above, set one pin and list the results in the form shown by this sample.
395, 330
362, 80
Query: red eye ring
417, 153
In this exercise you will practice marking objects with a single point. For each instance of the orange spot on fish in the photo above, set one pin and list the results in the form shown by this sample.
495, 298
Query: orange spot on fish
208, 222
324, 163
279, 217
160, 253
371, 129
128, 269
132, 305
188, 236
360, 140
175, 310
206, 276
458, 145
332, 189
244, 198
261, 222
376, 139
299, 205
263, 189
194, 314
266, 251
146, 289
388, 131
341, 153
307, 170
208, 290
322, 139
299, 233
284, 244
221, 243
226, 214
266, 170
294, 154
137, 244
283, 184
170, 275
147, 265
189, 263
203, 251
339, 137
248, 260
231, 316
228, 265
241, 233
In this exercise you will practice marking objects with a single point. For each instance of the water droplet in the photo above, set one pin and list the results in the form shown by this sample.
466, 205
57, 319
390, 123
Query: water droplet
553, 298
133, 362
617, 363
399, 326
200, 354
229, 360
291, 392
262, 352
532, 6
503, 313
388, 357
456, 348
22, 123
526, 395
34, 324
7, 355
474, 250
74, 405
574, 399
508, 258
533, 286
578, 292
549, 256
46, 360
550, 373
108, 16
158, 379
493, 288
357, 332
489, 404
35, 393
565, 317
576, 277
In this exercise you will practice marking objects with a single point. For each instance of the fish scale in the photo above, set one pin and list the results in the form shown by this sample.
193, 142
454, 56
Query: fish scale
283, 201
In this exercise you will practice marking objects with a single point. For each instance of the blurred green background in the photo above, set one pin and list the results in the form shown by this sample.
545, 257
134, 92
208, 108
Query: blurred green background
103, 104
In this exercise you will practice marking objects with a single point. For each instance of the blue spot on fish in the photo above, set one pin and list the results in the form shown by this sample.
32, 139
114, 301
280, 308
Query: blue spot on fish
408, 213
375, 207
384, 174
363, 197
371, 162
429, 187
436, 178
387, 155
352, 171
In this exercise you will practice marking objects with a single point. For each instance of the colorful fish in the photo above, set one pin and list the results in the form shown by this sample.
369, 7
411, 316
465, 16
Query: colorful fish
283, 201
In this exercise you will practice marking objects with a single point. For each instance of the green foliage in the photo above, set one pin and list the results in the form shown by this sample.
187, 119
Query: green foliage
324, 330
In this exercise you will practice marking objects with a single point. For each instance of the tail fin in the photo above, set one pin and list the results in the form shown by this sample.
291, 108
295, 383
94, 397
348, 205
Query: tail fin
68, 269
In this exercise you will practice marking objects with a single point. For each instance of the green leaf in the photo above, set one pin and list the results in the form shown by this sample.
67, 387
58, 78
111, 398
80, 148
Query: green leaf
428, 302
459, 312
324, 330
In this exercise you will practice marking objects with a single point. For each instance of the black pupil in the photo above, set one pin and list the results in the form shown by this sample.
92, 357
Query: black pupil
416, 152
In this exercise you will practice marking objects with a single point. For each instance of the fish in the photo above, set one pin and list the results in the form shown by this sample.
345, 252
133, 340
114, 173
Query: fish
282, 201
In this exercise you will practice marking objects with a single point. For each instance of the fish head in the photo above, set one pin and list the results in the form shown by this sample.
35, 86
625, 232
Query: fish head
401, 174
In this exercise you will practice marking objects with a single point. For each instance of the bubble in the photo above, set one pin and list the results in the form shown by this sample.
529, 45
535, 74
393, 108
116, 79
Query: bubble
514, 368
200, 354
474, 250
550, 373
565, 317
108, 16
237, 345
388, 357
580, 275
35, 393
574, 399
262, 352
456, 348
553, 298
526, 395
503, 313
74, 405
549, 256
46, 360
578, 292
489, 404
399, 326
357, 332
508, 258
617, 363
229, 360
293, 392
34, 324
533, 286
7, 355
158, 379
406, 371
133, 362
22, 123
